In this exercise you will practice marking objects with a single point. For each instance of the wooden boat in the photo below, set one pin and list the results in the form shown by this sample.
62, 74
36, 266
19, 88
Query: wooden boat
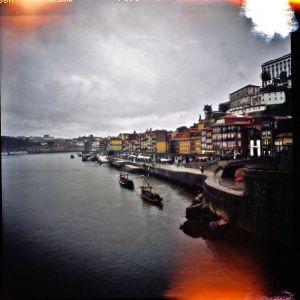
103, 159
125, 181
148, 194
87, 157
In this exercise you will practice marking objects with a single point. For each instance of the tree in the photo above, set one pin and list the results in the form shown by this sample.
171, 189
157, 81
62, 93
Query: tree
50, 144
207, 111
275, 82
283, 76
265, 76
181, 128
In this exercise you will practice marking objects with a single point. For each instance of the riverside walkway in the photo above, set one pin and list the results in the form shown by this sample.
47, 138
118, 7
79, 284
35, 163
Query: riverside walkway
175, 168
226, 185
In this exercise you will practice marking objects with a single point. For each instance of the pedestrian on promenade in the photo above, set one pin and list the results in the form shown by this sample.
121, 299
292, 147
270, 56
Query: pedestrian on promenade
202, 169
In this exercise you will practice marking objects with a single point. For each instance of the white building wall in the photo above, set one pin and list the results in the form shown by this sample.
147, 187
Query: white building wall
277, 66
258, 102
95, 146
273, 98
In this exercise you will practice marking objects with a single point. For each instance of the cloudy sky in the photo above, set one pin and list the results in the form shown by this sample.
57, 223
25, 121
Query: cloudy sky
105, 67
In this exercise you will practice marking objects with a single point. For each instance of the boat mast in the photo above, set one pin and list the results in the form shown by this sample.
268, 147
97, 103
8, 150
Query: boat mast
148, 183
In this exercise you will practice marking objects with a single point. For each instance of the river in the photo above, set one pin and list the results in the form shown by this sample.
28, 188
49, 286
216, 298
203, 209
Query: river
71, 231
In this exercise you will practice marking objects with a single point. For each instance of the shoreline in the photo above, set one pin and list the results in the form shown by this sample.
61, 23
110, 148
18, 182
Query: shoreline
256, 209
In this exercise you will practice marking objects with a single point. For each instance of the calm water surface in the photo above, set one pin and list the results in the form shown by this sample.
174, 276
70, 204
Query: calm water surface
71, 231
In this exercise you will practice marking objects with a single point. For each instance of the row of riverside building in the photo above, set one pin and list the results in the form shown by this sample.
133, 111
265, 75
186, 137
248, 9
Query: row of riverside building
255, 122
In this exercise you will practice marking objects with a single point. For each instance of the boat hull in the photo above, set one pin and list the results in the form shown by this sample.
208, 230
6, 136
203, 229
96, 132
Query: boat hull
151, 197
127, 183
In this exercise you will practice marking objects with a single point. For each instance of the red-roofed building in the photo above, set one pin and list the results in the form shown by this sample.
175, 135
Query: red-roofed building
186, 141
206, 142
283, 141
270, 129
230, 135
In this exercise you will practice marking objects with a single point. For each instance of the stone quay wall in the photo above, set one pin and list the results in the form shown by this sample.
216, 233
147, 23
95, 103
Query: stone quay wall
184, 178
266, 207
269, 205
222, 201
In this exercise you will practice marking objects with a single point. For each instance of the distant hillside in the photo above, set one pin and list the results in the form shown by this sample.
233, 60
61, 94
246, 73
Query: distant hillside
9, 143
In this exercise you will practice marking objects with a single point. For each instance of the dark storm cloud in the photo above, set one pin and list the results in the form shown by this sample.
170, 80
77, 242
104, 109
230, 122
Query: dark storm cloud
118, 66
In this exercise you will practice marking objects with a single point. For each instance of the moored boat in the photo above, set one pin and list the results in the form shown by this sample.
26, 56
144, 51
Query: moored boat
17, 152
149, 195
88, 157
117, 163
103, 159
132, 169
125, 181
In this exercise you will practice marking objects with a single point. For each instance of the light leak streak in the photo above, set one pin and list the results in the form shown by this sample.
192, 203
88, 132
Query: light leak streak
32, 6
229, 275
270, 17
31, 15
295, 5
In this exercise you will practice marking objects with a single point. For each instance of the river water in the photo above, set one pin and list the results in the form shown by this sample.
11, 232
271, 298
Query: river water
71, 231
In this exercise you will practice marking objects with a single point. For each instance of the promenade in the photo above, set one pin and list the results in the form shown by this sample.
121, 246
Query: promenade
226, 185
175, 168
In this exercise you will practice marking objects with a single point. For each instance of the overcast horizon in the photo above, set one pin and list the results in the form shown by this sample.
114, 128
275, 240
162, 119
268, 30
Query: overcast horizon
107, 67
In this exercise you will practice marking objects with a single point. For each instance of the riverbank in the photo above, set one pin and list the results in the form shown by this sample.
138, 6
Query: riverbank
187, 177
264, 205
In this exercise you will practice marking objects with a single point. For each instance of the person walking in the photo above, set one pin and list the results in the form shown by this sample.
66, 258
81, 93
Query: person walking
202, 169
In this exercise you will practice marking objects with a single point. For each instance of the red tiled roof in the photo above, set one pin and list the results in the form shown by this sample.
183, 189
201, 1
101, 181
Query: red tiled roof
234, 123
237, 117
285, 134
239, 123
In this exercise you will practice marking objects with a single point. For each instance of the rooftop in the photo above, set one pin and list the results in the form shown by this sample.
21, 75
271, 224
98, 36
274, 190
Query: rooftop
246, 86
285, 134
276, 59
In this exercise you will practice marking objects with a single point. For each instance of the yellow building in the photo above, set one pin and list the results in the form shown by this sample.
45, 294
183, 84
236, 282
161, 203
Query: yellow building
115, 144
201, 125
283, 141
185, 147
161, 147
198, 146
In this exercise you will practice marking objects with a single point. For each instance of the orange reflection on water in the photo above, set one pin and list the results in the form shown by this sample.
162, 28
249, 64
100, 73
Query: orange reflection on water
227, 274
